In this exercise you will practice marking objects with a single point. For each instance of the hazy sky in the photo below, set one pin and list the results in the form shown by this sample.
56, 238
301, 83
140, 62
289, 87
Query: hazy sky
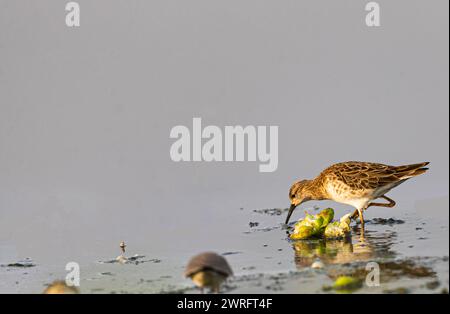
85, 113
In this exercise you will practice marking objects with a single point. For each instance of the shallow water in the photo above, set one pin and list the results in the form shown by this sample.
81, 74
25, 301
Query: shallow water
410, 247
86, 116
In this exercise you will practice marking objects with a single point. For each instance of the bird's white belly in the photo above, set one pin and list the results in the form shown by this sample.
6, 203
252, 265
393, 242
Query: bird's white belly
344, 198
357, 203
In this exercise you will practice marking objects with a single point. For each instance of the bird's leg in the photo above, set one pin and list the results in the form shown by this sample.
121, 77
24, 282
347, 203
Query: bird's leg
390, 204
358, 214
202, 290
361, 236
361, 218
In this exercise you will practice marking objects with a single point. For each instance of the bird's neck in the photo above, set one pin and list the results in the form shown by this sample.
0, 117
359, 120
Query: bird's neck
316, 189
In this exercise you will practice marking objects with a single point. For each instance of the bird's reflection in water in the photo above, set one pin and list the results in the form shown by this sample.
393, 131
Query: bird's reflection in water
356, 249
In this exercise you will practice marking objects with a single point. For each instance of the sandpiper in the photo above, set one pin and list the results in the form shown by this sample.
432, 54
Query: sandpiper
208, 270
353, 183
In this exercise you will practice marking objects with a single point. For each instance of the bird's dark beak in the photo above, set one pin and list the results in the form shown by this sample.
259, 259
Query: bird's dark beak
291, 210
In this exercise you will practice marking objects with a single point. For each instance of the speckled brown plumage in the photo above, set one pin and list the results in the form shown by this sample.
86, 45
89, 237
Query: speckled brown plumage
353, 183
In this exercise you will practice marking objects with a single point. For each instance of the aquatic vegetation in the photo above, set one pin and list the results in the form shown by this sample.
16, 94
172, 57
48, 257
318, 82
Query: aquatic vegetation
338, 229
327, 214
347, 284
321, 225
303, 232
312, 225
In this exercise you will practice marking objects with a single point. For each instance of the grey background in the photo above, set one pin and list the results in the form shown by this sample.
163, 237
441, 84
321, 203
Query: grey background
85, 113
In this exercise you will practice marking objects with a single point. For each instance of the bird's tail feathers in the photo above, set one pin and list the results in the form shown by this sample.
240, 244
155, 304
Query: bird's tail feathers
409, 171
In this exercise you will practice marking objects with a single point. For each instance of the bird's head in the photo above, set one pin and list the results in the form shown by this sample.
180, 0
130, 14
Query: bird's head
298, 194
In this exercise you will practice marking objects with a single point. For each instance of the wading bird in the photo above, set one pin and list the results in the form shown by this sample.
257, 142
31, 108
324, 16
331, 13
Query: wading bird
353, 183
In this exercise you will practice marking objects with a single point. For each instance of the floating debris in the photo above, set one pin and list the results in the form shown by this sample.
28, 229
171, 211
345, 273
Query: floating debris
136, 259
271, 211
267, 229
231, 253
121, 259
248, 268
122, 246
253, 224
27, 262
389, 221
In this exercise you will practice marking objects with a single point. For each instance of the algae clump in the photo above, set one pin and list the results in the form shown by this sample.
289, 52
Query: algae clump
327, 214
312, 225
347, 284
338, 229
321, 225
